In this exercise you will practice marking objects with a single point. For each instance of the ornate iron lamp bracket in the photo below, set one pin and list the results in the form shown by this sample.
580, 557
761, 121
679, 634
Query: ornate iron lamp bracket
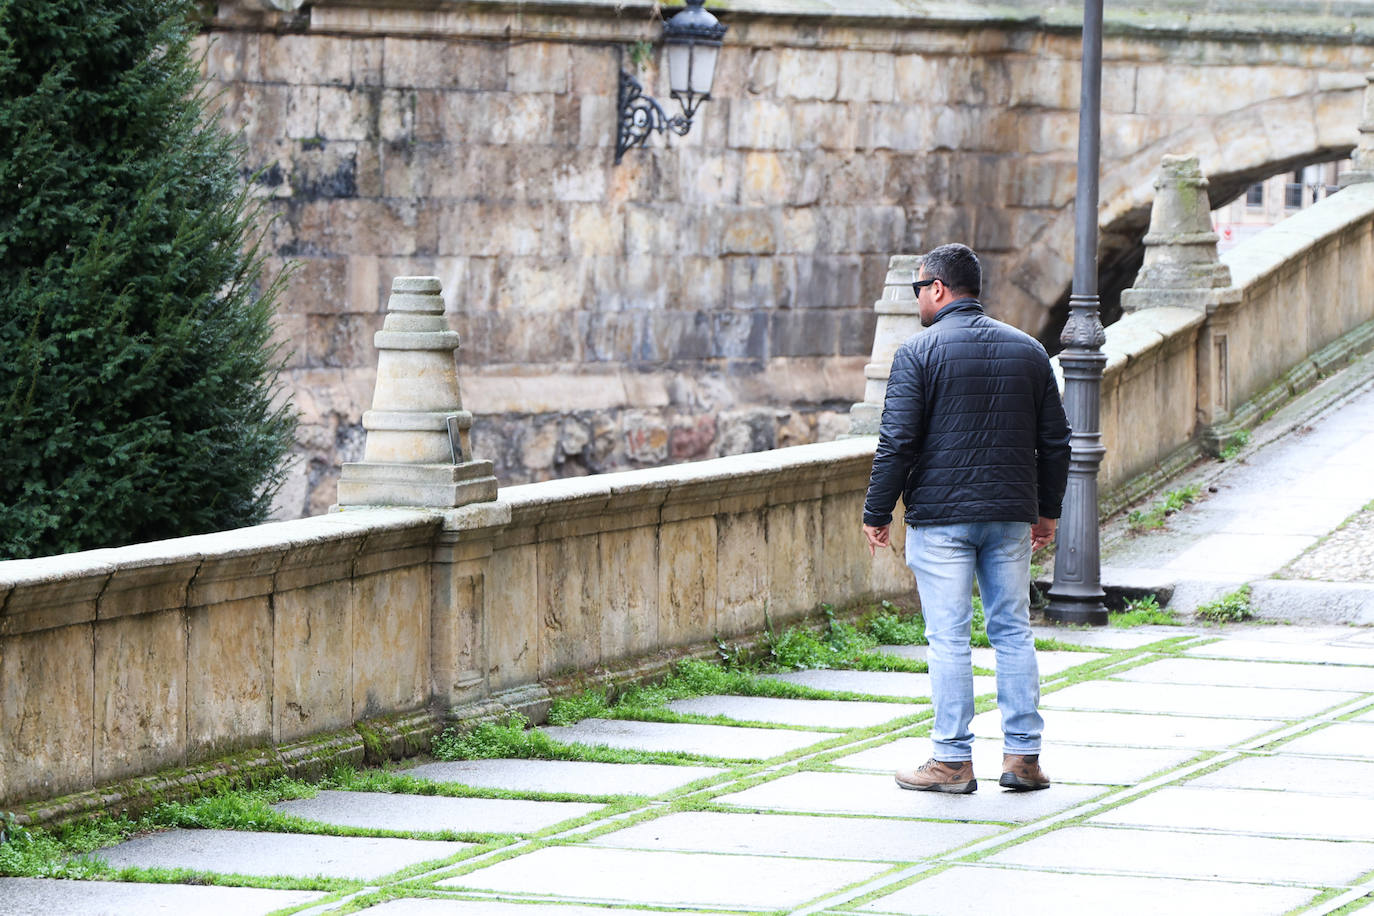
640, 116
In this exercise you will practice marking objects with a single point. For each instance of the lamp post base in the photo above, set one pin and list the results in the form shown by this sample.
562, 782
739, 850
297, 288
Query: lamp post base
1087, 609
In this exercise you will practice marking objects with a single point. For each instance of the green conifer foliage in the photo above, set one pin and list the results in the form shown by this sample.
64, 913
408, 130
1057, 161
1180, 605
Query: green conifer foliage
138, 380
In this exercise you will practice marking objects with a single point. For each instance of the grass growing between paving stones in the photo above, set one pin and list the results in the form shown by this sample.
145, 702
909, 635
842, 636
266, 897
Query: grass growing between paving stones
1153, 518
1140, 612
1232, 607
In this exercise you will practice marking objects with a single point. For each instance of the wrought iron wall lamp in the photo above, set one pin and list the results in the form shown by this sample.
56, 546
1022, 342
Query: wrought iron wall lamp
692, 41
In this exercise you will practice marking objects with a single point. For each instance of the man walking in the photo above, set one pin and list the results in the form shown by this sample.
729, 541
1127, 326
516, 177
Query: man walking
975, 442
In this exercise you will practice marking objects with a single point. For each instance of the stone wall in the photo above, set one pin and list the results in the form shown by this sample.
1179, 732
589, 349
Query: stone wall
710, 295
296, 643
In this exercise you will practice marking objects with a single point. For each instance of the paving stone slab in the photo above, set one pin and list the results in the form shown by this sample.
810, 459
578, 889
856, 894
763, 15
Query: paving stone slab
815, 713
667, 878
1342, 739
296, 854
1256, 650
862, 838
1257, 811
46, 897
1365, 717
876, 683
1172, 853
430, 813
968, 889
1050, 663
1194, 699
1283, 772
877, 794
728, 742
1118, 766
1242, 556
1134, 730
576, 776
420, 907
1250, 674
1111, 638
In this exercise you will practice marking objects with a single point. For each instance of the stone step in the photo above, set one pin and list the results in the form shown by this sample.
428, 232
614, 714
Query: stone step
817, 713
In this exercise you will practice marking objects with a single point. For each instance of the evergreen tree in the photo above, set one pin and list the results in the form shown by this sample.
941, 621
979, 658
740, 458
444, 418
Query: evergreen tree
138, 379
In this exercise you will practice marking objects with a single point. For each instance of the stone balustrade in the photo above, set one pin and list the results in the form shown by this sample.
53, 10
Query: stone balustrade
1190, 366
137, 672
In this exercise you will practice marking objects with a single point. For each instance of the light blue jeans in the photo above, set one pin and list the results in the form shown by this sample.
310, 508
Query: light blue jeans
945, 559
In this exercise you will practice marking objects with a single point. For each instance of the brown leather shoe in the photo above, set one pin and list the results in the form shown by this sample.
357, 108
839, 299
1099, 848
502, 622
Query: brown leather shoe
1021, 773
955, 777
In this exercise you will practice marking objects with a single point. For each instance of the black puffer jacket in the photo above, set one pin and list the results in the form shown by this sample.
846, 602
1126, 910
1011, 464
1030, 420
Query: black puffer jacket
973, 428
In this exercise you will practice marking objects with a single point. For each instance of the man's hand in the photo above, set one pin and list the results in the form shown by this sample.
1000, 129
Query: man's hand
877, 537
1042, 532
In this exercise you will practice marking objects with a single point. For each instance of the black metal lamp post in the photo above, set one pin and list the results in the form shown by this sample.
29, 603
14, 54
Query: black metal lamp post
1076, 595
692, 41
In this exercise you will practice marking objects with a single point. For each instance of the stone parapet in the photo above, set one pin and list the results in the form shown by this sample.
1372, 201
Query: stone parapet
263, 642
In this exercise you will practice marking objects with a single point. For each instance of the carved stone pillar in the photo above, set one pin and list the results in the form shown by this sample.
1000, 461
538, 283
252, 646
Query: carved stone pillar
418, 452
1182, 269
899, 317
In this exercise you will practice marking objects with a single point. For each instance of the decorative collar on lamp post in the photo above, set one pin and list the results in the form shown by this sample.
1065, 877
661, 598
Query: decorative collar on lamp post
692, 40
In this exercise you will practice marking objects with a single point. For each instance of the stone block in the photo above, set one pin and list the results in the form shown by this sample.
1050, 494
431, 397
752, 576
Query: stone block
300, 60
502, 229
344, 114
312, 628
539, 67
866, 77
740, 335
302, 114
677, 336
759, 124
140, 687
524, 120
415, 63
765, 179
318, 286
228, 677
750, 231
512, 616
703, 283
391, 628
569, 606
366, 63
46, 721
804, 73
813, 332
580, 176
628, 564
793, 536
687, 582
742, 573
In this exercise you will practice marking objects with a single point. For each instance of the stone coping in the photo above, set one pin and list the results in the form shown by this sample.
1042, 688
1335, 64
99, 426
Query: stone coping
700, 481
1340, 22
1137, 334
80, 587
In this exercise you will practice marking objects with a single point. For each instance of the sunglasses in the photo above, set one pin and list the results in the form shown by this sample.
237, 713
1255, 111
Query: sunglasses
922, 283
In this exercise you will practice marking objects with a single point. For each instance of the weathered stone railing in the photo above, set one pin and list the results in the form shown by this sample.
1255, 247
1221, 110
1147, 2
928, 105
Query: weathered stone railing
1194, 362
299, 643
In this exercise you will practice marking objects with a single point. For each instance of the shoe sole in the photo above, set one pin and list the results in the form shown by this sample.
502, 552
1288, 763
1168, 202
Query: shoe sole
948, 788
1017, 784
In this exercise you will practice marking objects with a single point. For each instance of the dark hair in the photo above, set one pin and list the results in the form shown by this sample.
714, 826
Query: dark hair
957, 267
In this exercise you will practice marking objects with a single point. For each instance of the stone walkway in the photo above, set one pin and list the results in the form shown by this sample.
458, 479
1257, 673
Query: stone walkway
1222, 770
1197, 770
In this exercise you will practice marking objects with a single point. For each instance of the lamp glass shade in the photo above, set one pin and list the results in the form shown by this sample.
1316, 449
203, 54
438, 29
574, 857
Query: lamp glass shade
703, 68
679, 64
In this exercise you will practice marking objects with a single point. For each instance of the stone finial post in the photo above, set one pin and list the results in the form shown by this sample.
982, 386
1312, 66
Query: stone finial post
418, 451
899, 317
1362, 160
1180, 247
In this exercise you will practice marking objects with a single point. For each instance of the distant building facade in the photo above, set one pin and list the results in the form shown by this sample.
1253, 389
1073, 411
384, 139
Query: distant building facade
1267, 202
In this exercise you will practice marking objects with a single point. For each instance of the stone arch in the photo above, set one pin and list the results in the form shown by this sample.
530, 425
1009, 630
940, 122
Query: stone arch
1235, 150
